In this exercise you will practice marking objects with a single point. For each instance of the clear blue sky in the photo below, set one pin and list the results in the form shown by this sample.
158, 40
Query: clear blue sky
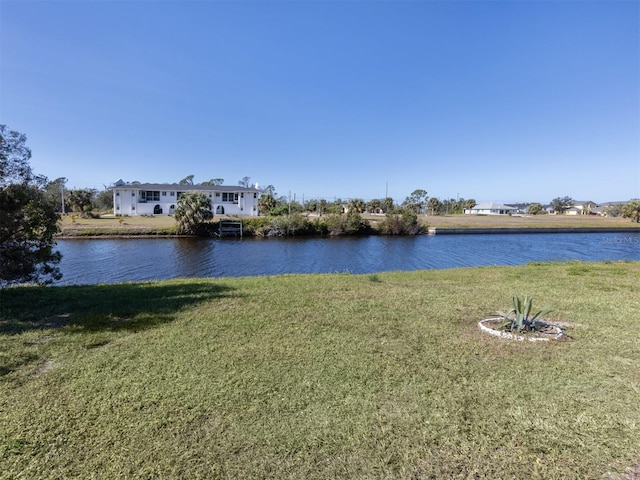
492, 100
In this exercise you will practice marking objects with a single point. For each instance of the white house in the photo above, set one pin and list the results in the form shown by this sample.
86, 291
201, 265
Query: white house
490, 208
161, 198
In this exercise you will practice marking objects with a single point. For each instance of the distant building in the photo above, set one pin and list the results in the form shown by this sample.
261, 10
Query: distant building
490, 208
161, 198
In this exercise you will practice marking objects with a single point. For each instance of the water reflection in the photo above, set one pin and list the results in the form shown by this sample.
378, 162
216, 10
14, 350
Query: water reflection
91, 261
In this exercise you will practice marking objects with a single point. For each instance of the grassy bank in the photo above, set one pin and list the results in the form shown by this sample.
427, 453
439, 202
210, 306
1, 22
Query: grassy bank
321, 376
110, 225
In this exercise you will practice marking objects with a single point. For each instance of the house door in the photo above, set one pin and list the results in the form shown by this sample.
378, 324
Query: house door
219, 210
157, 210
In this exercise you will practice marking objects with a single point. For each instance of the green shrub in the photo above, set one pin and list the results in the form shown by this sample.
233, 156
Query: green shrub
285, 225
350, 224
254, 226
406, 223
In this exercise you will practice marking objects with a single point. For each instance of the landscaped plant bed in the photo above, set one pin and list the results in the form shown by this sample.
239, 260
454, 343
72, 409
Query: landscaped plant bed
547, 331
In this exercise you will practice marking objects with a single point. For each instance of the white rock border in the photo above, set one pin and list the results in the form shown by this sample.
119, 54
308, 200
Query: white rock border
492, 331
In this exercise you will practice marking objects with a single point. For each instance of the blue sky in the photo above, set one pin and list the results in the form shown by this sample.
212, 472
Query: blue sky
510, 101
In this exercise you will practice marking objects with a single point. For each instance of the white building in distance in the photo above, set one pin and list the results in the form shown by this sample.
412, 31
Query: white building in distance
490, 208
162, 198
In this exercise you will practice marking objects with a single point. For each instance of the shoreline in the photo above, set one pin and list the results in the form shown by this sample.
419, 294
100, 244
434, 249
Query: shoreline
429, 231
159, 226
520, 230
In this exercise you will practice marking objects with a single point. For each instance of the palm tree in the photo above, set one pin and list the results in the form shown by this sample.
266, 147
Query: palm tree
374, 205
435, 206
469, 204
266, 203
193, 209
387, 204
356, 205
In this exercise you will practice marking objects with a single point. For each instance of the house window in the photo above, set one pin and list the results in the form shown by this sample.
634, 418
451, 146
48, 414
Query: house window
151, 196
133, 194
164, 194
255, 195
217, 194
117, 194
172, 194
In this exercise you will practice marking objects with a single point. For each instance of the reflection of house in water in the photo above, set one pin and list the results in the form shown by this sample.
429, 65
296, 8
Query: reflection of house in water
161, 198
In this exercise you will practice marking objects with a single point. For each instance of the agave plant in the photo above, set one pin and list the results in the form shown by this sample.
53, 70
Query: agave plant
520, 319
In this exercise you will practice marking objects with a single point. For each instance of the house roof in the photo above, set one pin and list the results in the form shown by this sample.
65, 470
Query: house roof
492, 206
187, 188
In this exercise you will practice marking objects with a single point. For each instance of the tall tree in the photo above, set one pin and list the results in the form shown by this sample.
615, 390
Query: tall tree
192, 211
374, 205
244, 182
188, 180
14, 158
632, 210
416, 200
266, 204
562, 204
212, 182
28, 221
535, 208
322, 206
55, 193
103, 201
356, 205
435, 206
387, 204
81, 200
269, 190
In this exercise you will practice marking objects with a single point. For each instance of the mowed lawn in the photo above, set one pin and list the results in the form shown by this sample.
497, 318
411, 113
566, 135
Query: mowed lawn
322, 376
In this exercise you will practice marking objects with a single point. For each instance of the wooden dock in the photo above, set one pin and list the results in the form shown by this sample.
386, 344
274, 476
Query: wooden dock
230, 228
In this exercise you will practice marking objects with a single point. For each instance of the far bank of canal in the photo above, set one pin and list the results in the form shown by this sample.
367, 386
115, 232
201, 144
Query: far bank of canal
527, 230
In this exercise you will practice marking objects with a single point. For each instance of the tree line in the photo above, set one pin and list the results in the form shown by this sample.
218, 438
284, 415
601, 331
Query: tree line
418, 202
87, 201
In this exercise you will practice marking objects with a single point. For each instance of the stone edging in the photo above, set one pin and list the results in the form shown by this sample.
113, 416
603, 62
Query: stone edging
491, 331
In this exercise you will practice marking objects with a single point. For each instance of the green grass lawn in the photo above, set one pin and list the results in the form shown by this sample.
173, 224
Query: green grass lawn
322, 376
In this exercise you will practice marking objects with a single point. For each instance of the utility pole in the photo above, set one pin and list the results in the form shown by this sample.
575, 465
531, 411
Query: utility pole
62, 196
289, 216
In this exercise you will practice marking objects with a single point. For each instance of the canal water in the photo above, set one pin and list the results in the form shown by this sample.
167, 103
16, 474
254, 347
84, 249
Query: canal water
91, 261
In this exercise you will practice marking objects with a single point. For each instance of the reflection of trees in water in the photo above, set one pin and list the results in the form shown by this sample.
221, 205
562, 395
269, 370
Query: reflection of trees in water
192, 257
118, 260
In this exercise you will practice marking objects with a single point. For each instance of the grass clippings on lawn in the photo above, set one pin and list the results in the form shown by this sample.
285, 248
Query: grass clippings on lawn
322, 376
